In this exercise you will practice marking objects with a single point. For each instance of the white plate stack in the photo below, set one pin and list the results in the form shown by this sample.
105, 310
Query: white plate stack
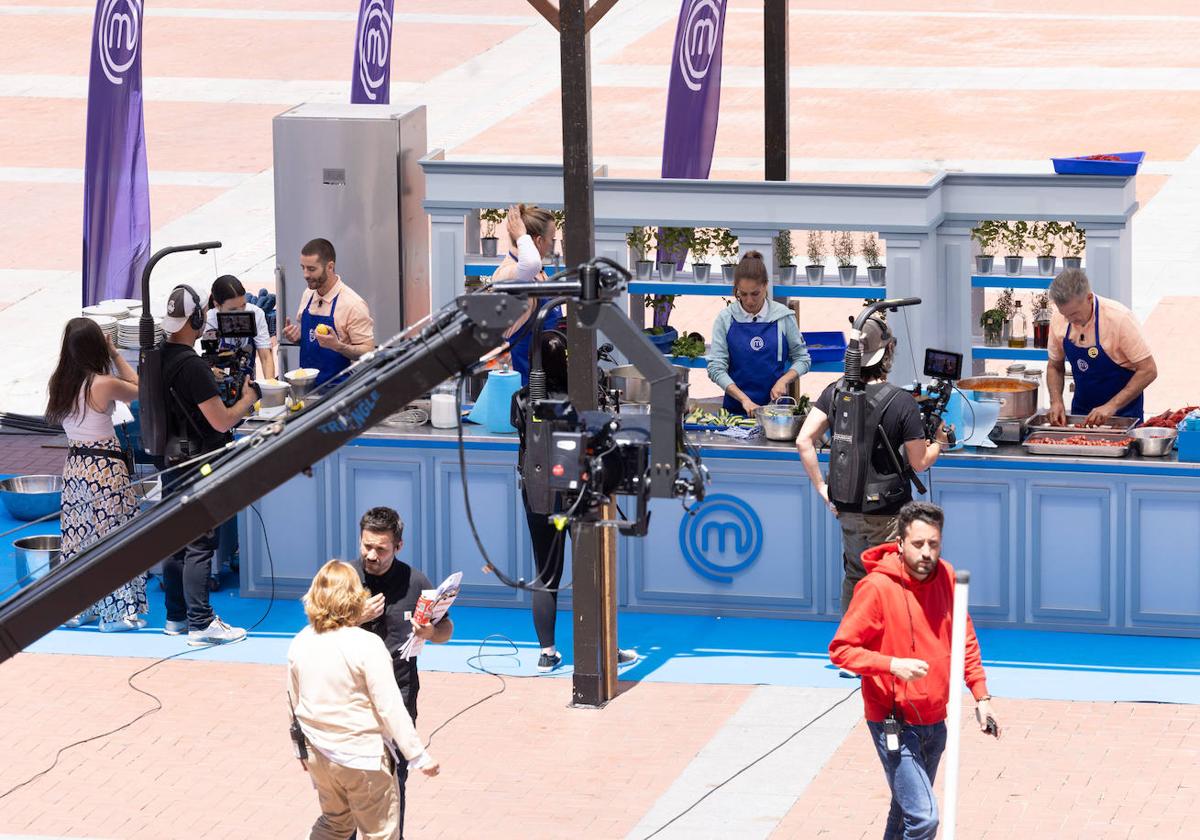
108, 325
128, 332
108, 308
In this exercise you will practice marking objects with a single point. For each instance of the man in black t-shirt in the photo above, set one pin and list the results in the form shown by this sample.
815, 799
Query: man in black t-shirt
197, 422
904, 434
395, 587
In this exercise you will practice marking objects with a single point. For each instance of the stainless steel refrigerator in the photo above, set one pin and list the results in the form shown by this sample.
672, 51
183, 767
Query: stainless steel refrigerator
349, 173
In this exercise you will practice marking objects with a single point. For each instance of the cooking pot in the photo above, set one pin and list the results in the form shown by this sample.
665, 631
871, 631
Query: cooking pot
1018, 396
779, 420
633, 386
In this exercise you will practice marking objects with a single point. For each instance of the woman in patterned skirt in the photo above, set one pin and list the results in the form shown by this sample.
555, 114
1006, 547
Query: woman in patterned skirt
97, 496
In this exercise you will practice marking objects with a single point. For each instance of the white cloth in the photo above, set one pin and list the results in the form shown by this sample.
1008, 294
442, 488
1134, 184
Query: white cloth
262, 336
86, 425
346, 699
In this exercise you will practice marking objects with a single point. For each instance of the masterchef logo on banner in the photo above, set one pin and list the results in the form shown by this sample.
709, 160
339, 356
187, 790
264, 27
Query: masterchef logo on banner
373, 53
694, 97
118, 34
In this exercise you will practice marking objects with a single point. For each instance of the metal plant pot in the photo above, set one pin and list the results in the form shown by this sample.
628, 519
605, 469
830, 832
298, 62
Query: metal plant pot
1012, 266
1072, 262
644, 271
815, 274
877, 275
488, 245
727, 271
1046, 266
787, 275
847, 273
700, 272
983, 263
666, 271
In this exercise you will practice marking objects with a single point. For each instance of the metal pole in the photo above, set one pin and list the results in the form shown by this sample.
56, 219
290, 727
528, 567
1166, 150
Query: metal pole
775, 88
592, 556
958, 653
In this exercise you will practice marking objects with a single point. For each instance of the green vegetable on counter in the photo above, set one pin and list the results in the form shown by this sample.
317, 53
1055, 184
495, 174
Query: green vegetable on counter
689, 346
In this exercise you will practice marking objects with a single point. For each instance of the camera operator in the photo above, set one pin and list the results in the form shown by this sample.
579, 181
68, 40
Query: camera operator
864, 525
197, 422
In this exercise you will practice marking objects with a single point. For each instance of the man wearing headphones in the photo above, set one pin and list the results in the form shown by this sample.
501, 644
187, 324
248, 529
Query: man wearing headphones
197, 422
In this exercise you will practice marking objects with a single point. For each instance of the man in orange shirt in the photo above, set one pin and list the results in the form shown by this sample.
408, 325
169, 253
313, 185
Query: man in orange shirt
1109, 357
335, 324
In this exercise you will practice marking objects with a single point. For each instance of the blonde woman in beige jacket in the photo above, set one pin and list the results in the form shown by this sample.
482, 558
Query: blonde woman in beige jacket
343, 694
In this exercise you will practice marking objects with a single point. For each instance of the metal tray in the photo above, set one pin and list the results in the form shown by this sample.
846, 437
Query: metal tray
1041, 423
1075, 449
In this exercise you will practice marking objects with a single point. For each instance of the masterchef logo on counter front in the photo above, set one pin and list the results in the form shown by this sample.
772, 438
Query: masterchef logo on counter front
353, 420
722, 538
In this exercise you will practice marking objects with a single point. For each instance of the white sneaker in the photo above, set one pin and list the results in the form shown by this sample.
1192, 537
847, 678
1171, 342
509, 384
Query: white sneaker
626, 655
217, 633
85, 617
175, 628
129, 622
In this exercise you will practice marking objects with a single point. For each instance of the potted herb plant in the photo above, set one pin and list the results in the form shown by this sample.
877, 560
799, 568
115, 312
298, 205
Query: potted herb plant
640, 240
817, 253
726, 245
490, 217
785, 257
700, 242
843, 251
1045, 238
560, 219
1073, 240
984, 234
660, 333
992, 322
1007, 304
672, 247
876, 272
1014, 236
1041, 319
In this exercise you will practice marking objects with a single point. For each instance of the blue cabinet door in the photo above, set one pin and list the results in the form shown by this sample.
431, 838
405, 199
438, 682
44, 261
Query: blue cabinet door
1163, 553
393, 477
1072, 546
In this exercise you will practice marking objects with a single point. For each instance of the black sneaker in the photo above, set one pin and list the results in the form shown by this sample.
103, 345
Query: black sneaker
627, 655
549, 661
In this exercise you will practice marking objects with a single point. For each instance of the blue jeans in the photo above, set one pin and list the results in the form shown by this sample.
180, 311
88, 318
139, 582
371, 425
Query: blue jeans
910, 773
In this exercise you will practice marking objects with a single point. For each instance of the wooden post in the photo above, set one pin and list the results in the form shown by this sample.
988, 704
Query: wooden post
775, 88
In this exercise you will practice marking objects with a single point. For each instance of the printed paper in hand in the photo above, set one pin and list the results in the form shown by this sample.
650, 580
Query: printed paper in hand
431, 608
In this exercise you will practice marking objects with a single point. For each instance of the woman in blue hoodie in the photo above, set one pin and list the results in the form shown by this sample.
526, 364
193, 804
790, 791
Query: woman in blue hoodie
757, 350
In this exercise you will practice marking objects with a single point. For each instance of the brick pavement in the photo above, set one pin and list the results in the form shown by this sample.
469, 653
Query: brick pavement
32, 454
1061, 770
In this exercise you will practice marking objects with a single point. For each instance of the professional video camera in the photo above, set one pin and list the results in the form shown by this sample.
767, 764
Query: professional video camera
587, 457
231, 365
945, 368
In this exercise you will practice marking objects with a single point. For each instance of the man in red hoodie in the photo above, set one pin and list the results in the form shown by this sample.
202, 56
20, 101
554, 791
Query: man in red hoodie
896, 635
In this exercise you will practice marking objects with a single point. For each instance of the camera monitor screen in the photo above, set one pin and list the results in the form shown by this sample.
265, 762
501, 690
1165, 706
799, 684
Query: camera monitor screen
943, 364
236, 325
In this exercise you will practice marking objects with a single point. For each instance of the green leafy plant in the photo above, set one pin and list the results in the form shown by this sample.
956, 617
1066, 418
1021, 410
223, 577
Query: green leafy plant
491, 217
985, 234
640, 240
726, 245
1073, 239
784, 255
1044, 236
661, 306
817, 248
560, 218
674, 244
992, 321
844, 248
1015, 235
690, 346
700, 243
870, 250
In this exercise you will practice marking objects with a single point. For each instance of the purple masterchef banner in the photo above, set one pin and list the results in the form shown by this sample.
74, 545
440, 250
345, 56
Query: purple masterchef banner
372, 54
116, 197
694, 97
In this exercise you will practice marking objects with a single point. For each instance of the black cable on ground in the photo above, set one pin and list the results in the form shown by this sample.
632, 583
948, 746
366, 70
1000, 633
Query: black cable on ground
157, 701
773, 749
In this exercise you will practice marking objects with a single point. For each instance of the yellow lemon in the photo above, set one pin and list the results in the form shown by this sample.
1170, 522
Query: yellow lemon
323, 329
297, 405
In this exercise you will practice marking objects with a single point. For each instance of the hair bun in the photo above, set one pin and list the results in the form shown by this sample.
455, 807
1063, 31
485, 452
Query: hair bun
752, 255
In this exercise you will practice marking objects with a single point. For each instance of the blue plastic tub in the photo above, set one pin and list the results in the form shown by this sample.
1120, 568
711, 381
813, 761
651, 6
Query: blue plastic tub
825, 346
1188, 444
663, 342
1127, 165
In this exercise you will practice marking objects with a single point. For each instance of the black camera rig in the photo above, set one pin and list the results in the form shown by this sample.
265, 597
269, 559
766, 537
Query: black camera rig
231, 364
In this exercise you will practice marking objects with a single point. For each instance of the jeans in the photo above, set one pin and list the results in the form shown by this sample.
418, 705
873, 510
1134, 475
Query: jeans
861, 531
185, 582
910, 773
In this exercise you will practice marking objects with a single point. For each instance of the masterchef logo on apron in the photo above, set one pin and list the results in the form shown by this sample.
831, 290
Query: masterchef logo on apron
757, 343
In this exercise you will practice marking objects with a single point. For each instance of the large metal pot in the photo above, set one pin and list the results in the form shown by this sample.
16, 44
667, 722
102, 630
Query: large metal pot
1019, 396
29, 497
779, 420
36, 556
633, 386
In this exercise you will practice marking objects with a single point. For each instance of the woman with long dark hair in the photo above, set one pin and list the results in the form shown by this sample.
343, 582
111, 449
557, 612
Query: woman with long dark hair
229, 295
96, 495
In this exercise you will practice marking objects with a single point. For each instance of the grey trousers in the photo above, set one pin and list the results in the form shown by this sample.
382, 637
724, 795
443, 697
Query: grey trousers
859, 532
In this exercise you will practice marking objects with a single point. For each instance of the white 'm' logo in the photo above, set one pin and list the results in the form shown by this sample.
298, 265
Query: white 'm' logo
374, 47
118, 34
699, 41
757, 343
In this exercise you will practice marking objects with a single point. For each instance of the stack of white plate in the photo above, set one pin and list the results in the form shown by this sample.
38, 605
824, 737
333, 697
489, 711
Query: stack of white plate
128, 303
108, 308
128, 332
108, 325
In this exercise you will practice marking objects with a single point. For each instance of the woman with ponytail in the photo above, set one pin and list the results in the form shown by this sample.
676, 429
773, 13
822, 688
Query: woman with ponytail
757, 351
531, 230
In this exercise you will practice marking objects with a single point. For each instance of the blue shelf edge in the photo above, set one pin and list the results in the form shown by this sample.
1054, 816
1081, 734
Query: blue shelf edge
864, 292
679, 287
701, 362
1003, 281
1029, 353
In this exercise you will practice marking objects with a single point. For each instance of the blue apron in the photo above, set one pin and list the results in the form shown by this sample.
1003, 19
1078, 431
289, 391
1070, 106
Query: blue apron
521, 342
312, 355
751, 366
1097, 377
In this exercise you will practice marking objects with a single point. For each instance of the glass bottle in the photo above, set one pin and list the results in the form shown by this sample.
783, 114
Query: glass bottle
1019, 336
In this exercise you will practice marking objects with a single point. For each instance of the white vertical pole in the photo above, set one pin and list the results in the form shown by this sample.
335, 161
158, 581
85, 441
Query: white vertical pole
958, 654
